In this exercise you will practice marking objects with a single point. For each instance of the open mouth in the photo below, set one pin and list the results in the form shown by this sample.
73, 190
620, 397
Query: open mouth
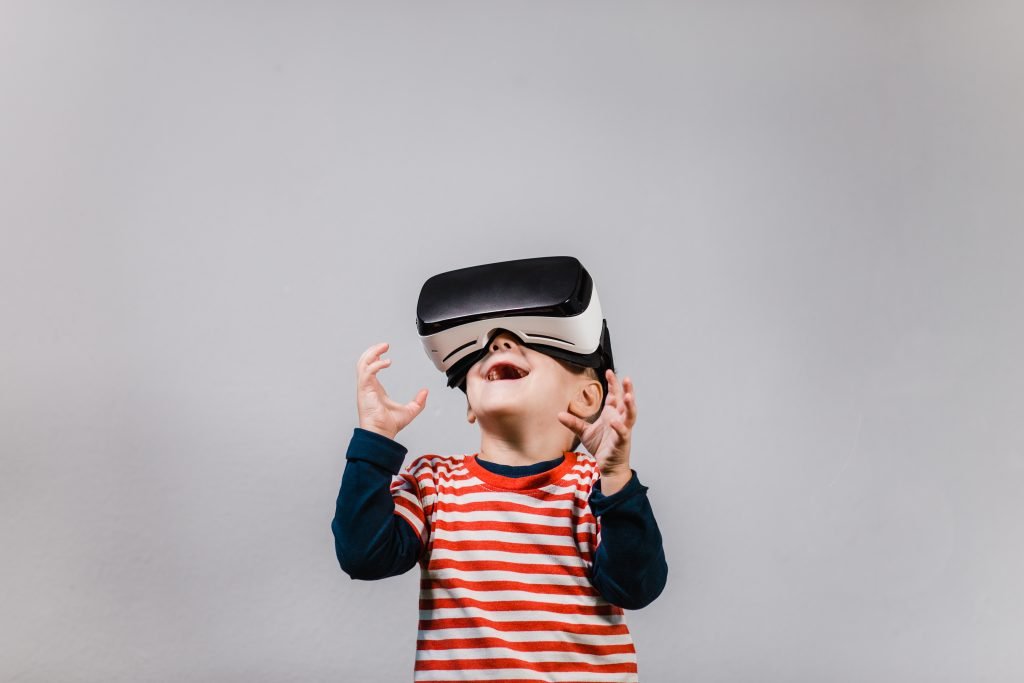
505, 372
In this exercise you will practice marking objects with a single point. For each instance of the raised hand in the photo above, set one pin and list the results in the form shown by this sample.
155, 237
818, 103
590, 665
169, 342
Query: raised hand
377, 412
608, 438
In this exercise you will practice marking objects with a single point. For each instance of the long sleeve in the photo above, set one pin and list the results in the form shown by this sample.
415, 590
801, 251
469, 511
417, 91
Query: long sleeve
629, 568
370, 540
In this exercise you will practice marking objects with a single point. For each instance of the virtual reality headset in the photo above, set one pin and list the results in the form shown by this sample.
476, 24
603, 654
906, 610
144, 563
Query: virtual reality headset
550, 303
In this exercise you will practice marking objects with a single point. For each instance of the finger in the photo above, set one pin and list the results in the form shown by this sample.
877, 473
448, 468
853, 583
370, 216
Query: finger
616, 400
368, 374
373, 352
622, 403
630, 399
376, 365
613, 383
610, 401
572, 422
630, 410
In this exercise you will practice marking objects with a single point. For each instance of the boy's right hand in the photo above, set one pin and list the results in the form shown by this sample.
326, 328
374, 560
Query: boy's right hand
377, 412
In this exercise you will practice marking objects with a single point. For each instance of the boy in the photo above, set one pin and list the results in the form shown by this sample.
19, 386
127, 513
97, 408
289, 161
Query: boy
527, 560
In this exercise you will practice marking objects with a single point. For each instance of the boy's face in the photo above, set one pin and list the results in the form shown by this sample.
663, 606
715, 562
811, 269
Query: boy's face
546, 388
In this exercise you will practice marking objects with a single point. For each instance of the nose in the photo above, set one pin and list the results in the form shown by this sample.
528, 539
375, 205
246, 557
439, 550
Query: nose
504, 340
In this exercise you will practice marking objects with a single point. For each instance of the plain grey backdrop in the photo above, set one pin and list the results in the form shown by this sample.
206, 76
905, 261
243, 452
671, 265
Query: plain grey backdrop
804, 220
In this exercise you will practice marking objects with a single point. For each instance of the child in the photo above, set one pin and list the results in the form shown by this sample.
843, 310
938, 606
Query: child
528, 552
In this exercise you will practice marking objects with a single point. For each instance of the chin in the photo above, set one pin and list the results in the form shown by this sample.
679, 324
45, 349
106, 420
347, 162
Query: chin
498, 407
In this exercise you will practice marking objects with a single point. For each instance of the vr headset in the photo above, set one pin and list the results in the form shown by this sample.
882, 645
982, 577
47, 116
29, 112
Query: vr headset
549, 303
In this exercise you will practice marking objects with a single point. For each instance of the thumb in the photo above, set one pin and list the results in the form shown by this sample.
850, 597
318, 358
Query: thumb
417, 404
572, 422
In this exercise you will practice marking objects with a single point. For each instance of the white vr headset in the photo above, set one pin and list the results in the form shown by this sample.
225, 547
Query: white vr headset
549, 303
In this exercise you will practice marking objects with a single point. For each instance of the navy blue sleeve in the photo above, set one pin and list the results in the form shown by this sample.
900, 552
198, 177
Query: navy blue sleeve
629, 568
372, 542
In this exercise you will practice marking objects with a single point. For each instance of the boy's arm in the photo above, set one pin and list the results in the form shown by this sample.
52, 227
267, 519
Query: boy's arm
370, 540
629, 568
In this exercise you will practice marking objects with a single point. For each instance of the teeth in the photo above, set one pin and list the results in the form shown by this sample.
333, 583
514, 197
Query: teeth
495, 375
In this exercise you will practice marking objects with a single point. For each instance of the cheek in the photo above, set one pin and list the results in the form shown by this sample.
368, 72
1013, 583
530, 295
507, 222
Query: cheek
551, 390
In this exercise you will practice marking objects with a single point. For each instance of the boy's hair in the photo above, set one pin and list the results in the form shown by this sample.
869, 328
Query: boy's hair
591, 373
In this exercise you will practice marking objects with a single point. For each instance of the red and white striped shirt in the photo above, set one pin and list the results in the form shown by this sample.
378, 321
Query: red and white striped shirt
505, 593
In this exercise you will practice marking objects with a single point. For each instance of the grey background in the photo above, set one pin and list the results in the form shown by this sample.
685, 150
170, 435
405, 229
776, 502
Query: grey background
804, 221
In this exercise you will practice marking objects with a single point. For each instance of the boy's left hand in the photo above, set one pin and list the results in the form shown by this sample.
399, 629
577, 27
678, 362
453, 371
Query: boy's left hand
608, 438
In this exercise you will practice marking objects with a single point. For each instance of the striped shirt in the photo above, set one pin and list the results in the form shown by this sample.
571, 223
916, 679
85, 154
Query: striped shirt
505, 593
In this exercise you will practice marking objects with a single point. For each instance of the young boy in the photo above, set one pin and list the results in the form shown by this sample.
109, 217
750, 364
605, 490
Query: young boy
528, 552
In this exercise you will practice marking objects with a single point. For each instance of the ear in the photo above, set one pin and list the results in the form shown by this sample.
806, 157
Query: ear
587, 401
